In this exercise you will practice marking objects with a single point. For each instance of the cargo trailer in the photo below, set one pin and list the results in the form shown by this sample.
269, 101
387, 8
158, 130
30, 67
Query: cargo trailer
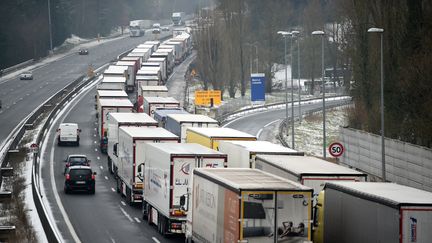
153, 103
178, 123
210, 137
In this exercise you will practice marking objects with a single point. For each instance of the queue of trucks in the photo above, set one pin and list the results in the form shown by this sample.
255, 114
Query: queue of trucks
215, 184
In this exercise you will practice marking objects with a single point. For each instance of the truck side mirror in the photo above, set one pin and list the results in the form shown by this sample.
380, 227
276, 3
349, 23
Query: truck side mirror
182, 200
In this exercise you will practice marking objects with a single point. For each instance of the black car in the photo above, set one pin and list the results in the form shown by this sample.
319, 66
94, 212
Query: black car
76, 159
83, 52
80, 178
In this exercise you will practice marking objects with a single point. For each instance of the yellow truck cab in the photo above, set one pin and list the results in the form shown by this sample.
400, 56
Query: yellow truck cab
318, 223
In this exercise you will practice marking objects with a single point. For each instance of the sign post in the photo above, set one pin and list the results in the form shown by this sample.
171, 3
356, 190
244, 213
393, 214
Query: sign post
258, 87
336, 149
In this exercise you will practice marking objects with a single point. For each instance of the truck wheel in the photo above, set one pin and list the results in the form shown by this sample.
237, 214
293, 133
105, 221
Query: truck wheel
110, 166
149, 214
161, 224
118, 185
129, 196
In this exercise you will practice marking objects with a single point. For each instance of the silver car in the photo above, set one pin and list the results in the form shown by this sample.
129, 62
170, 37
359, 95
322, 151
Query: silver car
26, 75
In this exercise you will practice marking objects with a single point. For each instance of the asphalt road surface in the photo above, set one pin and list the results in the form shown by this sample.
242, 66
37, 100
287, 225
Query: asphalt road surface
21, 97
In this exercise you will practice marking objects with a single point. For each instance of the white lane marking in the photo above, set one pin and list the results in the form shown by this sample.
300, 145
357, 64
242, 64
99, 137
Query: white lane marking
123, 203
137, 220
101, 167
126, 214
94, 135
95, 149
268, 124
98, 157
112, 189
95, 142
155, 240
259, 133
95, 128
27, 94
106, 177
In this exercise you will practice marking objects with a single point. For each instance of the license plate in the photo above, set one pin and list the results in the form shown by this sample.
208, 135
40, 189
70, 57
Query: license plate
80, 182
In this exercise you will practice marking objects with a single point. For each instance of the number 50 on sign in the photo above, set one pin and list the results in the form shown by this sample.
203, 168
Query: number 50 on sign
336, 149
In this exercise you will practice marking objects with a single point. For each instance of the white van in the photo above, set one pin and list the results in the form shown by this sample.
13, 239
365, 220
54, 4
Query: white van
68, 133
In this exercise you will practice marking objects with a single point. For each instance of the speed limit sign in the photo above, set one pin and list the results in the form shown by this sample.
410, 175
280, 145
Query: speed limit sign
336, 149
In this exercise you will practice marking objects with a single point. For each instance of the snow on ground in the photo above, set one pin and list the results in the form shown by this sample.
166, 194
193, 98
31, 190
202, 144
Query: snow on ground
308, 136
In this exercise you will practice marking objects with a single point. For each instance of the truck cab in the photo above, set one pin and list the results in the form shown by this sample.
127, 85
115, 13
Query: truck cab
318, 219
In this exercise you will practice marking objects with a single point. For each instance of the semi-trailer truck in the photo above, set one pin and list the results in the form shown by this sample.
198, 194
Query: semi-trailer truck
167, 173
359, 212
153, 91
105, 107
242, 154
309, 171
178, 123
161, 115
178, 18
248, 205
210, 136
131, 157
112, 83
117, 120
153, 103
122, 71
137, 27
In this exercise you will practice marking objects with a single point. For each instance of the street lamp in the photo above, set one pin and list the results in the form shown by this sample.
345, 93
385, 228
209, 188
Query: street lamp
298, 73
381, 31
285, 35
49, 23
322, 34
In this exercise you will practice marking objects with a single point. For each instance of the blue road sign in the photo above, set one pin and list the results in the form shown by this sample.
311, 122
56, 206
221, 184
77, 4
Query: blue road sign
257, 87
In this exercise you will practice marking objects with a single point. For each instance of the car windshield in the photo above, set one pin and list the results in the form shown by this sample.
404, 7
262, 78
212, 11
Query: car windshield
80, 172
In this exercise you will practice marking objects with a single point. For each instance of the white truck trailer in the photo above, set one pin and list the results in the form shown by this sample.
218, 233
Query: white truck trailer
111, 94
136, 60
161, 115
170, 54
309, 171
112, 83
167, 172
247, 205
105, 107
150, 80
152, 47
153, 103
155, 44
163, 64
137, 27
122, 71
117, 120
374, 212
131, 158
133, 67
156, 64
144, 53
151, 71
178, 123
178, 50
154, 91
242, 154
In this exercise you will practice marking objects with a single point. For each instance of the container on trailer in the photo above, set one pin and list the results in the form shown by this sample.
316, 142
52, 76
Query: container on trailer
156, 64
170, 57
122, 71
152, 47
111, 94
156, 44
133, 66
148, 80
145, 53
178, 123
131, 158
210, 137
153, 103
247, 205
112, 83
242, 154
167, 173
151, 71
154, 91
309, 171
105, 107
160, 115
163, 64
136, 60
358, 212
117, 120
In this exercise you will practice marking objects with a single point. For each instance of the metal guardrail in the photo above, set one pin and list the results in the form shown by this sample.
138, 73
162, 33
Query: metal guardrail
226, 117
282, 125
17, 66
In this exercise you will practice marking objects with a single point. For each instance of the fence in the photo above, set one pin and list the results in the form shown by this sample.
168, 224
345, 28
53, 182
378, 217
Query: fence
406, 164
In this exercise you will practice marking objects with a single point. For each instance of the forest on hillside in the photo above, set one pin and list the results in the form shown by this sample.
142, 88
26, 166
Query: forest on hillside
229, 36
24, 28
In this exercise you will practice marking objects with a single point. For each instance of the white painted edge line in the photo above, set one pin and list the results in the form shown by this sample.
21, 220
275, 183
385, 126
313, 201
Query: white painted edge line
123, 203
155, 240
137, 220
112, 189
259, 133
126, 214
64, 112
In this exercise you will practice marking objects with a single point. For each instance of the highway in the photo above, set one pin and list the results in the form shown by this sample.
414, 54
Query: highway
21, 97
256, 123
